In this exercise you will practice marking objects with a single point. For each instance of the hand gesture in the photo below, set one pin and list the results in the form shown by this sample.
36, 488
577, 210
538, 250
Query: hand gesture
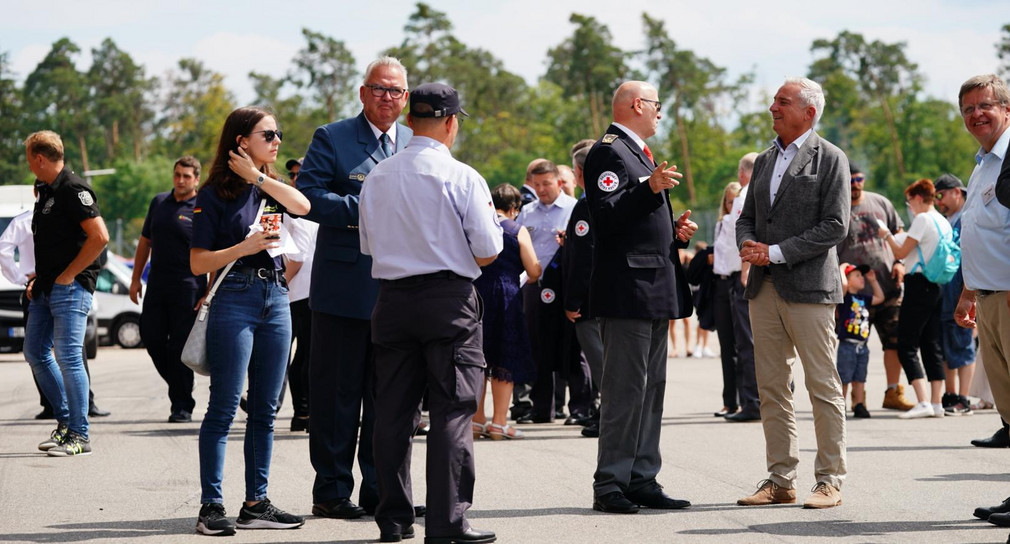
755, 253
243, 166
664, 178
685, 227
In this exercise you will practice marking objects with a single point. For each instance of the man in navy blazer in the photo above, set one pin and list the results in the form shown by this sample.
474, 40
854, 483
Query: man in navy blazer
637, 286
343, 292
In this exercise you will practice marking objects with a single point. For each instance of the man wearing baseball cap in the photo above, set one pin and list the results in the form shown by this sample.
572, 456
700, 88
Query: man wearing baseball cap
428, 223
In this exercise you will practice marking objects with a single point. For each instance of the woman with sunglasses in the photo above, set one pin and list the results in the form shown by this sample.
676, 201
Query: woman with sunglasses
249, 326
919, 318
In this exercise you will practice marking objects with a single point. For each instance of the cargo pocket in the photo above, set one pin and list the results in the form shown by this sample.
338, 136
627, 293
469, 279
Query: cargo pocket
468, 363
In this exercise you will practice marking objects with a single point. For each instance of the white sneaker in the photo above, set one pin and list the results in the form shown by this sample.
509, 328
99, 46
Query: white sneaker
709, 353
920, 410
938, 410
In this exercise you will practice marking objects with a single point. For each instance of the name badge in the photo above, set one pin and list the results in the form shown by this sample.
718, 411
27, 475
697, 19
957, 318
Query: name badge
988, 194
643, 179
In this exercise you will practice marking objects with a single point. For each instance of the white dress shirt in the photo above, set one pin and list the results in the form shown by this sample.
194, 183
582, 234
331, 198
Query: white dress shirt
784, 159
303, 236
726, 258
422, 211
18, 236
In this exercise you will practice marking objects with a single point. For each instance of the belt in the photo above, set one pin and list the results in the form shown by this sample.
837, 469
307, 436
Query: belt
261, 273
420, 278
729, 276
984, 292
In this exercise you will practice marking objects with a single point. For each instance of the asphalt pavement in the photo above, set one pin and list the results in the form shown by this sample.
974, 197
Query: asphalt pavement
909, 481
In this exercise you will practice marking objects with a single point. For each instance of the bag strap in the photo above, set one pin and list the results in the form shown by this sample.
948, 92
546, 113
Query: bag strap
220, 278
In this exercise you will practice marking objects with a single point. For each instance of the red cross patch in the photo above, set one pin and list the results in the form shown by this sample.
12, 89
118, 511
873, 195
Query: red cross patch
547, 296
582, 228
608, 181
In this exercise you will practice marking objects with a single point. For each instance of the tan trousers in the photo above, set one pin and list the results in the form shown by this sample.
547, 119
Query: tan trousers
782, 330
994, 344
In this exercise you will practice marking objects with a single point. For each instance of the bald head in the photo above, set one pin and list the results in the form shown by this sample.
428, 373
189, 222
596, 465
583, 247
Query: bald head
636, 106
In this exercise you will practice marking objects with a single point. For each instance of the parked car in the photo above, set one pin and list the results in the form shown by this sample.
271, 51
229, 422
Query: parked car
118, 316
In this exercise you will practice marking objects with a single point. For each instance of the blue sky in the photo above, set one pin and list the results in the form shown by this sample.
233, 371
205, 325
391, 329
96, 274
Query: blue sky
950, 40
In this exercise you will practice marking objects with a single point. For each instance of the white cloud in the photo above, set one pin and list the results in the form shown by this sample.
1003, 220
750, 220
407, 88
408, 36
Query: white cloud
235, 55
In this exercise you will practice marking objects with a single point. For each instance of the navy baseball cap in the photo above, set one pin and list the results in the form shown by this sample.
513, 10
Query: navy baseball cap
441, 101
949, 181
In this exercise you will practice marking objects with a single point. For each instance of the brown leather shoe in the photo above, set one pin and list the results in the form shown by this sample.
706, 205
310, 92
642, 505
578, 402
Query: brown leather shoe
824, 495
769, 492
894, 399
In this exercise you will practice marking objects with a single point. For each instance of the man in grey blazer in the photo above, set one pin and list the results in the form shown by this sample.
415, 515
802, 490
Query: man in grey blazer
795, 214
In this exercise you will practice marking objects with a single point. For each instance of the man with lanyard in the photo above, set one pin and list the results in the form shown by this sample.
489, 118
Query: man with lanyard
70, 236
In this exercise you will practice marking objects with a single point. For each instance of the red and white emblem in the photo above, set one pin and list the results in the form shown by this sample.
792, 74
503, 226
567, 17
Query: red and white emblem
608, 181
582, 228
547, 296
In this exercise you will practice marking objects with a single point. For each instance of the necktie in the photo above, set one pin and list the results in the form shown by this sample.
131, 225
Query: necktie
387, 149
646, 150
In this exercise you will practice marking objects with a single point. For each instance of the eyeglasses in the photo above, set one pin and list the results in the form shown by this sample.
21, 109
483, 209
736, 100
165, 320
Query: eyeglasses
967, 111
269, 135
659, 105
292, 175
940, 194
857, 179
378, 91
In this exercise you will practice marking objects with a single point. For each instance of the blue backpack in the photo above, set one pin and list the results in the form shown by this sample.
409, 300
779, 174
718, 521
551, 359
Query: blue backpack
946, 260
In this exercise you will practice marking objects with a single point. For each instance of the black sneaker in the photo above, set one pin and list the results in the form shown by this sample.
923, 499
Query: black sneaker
859, 411
55, 439
213, 521
267, 516
72, 445
948, 400
960, 407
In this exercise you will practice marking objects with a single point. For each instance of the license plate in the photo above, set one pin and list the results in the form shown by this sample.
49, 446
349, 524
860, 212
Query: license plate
16, 332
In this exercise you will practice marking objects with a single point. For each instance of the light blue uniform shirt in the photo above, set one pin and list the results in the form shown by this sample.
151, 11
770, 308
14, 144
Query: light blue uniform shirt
422, 211
544, 221
985, 225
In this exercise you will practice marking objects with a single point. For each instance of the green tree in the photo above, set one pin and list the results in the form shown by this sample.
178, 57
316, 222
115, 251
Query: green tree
125, 195
121, 98
56, 97
884, 75
12, 152
326, 66
194, 111
295, 118
1003, 51
589, 68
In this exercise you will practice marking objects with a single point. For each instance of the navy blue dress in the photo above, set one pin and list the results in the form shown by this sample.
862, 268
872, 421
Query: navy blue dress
506, 342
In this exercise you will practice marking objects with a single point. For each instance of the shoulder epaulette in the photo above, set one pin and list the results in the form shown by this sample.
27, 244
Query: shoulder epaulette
609, 138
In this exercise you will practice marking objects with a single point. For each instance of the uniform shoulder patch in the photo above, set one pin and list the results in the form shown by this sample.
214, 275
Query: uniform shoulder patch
582, 228
608, 182
85, 198
609, 138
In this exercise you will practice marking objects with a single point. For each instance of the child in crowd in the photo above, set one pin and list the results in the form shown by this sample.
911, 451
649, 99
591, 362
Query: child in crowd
852, 324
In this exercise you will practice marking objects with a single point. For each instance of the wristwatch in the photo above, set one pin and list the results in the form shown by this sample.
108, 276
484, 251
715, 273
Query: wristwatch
260, 180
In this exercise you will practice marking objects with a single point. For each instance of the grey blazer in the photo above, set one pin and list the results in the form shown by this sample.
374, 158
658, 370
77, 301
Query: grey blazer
809, 218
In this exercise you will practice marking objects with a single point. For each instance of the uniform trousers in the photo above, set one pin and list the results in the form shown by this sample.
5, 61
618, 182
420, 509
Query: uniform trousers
165, 321
632, 392
727, 340
994, 344
341, 369
783, 329
427, 335
298, 371
551, 337
746, 382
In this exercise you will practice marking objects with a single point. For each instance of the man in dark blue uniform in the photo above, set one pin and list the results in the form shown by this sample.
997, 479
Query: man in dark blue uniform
173, 292
637, 286
343, 293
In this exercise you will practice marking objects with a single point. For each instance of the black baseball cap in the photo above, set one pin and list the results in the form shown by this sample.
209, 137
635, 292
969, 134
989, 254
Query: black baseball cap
949, 181
442, 101
292, 162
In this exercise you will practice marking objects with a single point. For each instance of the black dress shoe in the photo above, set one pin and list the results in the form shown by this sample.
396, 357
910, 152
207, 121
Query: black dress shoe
744, 415
95, 411
422, 428
529, 418
592, 430
180, 416
338, 509
46, 413
470, 536
983, 512
725, 412
999, 439
655, 498
420, 511
396, 537
614, 503
559, 414
578, 419
300, 424
1002, 520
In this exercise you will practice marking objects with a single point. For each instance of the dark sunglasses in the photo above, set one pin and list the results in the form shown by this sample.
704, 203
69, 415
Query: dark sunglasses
857, 179
269, 135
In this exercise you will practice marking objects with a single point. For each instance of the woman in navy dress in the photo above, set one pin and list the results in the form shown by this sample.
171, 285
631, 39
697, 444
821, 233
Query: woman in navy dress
506, 342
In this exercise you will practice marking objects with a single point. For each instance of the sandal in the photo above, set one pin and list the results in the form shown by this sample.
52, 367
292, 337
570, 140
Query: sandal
982, 405
504, 432
479, 430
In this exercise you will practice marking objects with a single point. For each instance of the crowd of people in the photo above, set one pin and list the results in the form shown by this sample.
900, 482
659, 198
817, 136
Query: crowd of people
410, 285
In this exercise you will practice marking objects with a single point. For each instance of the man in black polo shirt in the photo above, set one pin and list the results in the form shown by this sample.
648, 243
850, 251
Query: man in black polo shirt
173, 292
69, 237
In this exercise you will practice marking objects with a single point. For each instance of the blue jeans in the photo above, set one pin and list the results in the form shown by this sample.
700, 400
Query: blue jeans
248, 333
56, 322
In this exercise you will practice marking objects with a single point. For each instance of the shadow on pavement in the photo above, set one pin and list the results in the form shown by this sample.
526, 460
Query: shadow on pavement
835, 528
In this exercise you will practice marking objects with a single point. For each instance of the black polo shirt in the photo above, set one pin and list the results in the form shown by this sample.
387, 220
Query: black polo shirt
59, 211
169, 227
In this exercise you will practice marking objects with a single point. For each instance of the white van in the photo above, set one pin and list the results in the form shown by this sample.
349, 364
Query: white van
118, 316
